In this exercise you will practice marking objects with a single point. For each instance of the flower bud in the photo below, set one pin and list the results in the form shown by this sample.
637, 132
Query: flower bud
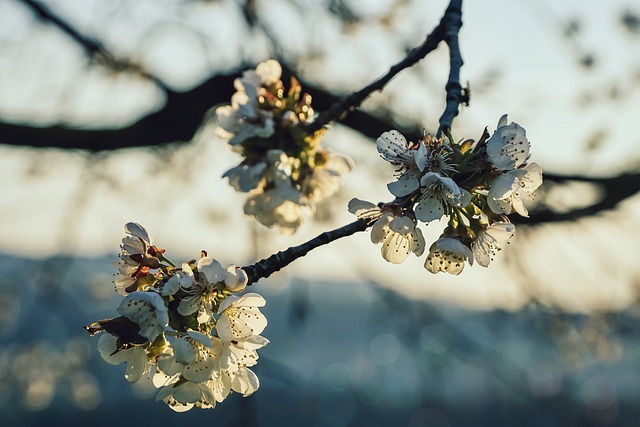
236, 279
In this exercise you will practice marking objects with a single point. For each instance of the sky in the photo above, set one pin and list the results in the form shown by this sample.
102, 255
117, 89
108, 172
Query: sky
516, 60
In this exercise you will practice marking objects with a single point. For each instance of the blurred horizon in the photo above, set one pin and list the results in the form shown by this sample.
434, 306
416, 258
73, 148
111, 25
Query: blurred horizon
340, 354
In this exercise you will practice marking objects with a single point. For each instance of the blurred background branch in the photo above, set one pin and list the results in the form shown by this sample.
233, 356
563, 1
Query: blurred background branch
182, 112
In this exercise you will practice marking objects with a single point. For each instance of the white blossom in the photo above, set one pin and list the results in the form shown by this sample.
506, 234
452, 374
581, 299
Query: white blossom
181, 279
506, 190
234, 360
138, 363
364, 209
508, 147
394, 148
184, 395
236, 279
240, 317
184, 370
125, 277
437, 192
200, 295
246, 177
134, 259
280, 204
399, 236
448, 254
244, 118
148, 310
189, 357
490, 240
199, 370
325, 180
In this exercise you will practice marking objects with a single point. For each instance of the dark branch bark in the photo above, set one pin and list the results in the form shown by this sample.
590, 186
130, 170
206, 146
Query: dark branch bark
178, 120
455, 95
268, 266
621, 187
452, 17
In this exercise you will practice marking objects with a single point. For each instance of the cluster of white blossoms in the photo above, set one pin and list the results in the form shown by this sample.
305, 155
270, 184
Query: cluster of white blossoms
183, 326
284, 170
474, 184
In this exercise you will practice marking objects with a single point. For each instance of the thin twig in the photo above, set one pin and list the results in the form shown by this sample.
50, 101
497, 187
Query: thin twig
90, 45
455, 94
93, 48
451, 18
275, 262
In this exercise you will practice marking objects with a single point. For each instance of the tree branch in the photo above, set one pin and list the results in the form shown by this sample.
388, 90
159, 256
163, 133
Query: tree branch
451, 17
268, 266
93, 48
455, 94
616, 189
178, 120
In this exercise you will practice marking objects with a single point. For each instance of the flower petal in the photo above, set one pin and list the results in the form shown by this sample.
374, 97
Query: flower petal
184, 351
396, 247
421, 156
107, 346
137, 365
148, 310
390, 144
405, 185
251, 299
381, 227
187, 392
491, 240
533, 178
244, 177
429, 209
211, 269
236, 279
402, 225
169, 367
240, 323
245, 381
269, 71
138, 231
189, 305
359, 207
499, 196
418, 243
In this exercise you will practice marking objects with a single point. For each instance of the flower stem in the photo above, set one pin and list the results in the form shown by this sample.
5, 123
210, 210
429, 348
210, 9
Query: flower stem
264, 268
161, 257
